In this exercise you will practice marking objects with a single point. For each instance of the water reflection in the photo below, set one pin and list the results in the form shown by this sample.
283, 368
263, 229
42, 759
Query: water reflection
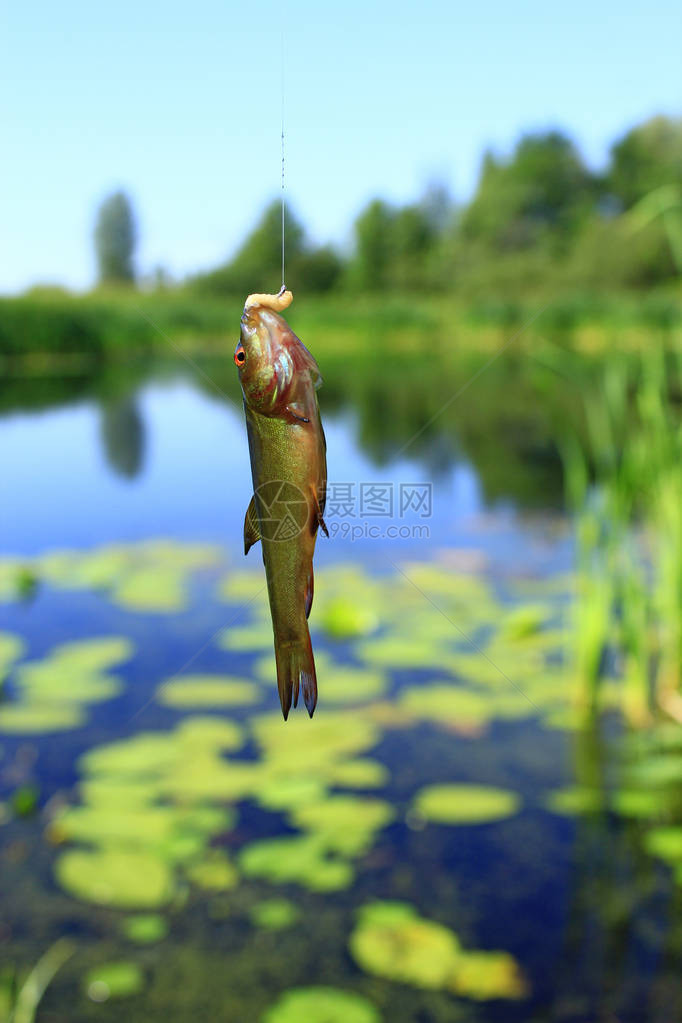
123, 435
436, 417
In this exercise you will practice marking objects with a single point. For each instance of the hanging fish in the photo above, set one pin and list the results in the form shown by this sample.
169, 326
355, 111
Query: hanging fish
279, 378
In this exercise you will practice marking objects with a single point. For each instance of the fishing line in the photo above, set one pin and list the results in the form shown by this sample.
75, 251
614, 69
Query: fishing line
282, 141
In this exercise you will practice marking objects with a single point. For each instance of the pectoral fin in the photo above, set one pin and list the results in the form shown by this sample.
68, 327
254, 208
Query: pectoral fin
318, 513
251, 526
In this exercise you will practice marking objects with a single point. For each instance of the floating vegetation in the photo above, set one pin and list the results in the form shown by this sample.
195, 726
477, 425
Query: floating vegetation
465, 804
11, 649
447, 704
195, 691
344, 618
274, 914
114, 980
346, 684
145, 928
17, 580
344, 824
257, 636
116, 876
137, 847
574, 800
666, 844
391, 940
151, 576
53, 694
299, 859
214, 872
321, 1005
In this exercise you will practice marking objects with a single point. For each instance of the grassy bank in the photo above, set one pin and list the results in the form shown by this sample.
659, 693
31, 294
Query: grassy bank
112, 325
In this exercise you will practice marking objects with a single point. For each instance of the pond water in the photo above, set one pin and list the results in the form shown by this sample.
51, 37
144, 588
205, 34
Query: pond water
226, 862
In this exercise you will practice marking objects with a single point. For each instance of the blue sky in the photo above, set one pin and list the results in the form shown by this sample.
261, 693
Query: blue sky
180, 104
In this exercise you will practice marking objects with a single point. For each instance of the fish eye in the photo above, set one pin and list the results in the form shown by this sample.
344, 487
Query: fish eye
240, 355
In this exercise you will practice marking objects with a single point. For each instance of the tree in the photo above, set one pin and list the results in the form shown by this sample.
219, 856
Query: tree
370, 268
544, 190
257, 264
646, 158
115, 239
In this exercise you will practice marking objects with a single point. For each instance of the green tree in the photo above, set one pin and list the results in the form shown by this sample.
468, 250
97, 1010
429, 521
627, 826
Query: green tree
543, 192
374, 238
646, 158
115, 239
257, 264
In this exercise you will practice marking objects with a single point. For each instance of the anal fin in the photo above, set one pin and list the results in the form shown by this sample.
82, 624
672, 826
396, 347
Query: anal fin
251, 526
309, 590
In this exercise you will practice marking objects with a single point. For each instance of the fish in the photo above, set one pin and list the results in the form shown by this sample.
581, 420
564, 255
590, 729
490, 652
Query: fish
279, 380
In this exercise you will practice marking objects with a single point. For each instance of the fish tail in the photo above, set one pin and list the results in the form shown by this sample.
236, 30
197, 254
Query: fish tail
296, 667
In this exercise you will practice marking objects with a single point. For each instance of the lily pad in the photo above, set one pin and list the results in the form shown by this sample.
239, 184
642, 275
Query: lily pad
120, 878
274, 914
114, 980
207, 691
575, 800
391, 940
465, 804
665, 843
488, 975
447, 704
214, 872
145, 928
401, 946
321, 1005
11, 649
39, 718
342, 618
298, 859
344, 824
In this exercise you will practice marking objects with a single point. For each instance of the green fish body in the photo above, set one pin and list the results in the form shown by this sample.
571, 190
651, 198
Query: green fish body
279, 379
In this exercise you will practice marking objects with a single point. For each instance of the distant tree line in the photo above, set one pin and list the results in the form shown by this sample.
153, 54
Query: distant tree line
539, 218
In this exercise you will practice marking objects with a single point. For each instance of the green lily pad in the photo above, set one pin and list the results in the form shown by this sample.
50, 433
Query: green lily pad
39, 718
391, 940
447, 704
257, 636
207, 691
52, 693
465, 804
402, 946
145, 928
11, 649
344, 824
214, 872
114, 980
575, 801
665, 843
244, 586
286, 793
640, 803
120, 878
321, 1005
340, 684
342, 618
157, 589
488, 975
274, 914
361, 773
300, 860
